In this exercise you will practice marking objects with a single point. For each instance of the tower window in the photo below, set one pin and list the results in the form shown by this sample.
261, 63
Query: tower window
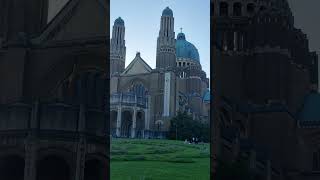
250, 8
237, 9
223, 9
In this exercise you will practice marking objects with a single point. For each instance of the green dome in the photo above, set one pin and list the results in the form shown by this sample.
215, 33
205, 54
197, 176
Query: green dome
119, 22
185, 49
167, 12
206, 96
310, 110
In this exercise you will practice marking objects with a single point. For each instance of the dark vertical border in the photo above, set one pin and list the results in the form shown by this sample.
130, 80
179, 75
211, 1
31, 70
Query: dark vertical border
108, 83
212, 89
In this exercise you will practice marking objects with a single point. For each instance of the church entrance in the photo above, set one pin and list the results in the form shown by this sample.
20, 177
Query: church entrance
140, 124
52, 168
12, 168
126, 124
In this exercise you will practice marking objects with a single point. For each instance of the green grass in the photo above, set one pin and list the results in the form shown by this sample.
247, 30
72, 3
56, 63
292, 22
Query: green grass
133, 159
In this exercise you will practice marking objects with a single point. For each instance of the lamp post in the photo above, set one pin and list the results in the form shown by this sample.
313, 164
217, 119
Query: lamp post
176, 131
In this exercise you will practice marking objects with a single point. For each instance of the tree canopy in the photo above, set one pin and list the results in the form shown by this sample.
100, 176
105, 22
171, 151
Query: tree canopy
182, 127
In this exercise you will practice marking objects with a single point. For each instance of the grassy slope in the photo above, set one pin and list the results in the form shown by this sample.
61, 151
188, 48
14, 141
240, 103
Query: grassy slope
158, 160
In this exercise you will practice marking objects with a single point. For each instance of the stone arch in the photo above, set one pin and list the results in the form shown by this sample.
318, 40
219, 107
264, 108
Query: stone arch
126, 123
224, 9
55, 163
130, 83
159, 125
237, 9
140, 124
96, 167
53, 167
113, 122
138, 89
12, 167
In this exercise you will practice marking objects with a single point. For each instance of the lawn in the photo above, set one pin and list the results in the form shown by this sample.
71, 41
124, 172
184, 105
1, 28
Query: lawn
133, 159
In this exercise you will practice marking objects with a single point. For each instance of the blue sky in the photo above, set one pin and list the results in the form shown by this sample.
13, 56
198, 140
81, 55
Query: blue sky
306, 15
142, 22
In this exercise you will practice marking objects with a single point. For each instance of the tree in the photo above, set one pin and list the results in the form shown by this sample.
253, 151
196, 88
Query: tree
184, 127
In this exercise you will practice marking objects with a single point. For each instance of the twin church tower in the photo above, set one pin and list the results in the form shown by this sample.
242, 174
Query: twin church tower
166, 44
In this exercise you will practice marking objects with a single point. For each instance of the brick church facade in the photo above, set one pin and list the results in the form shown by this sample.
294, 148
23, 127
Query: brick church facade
143, 100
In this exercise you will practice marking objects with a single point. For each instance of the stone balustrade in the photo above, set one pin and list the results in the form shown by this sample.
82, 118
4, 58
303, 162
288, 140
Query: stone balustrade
129, 99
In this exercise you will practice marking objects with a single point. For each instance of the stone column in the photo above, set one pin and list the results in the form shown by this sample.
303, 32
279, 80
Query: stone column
147, 118
134, 123
268, 170
80, 154
30, 169
252, 160
146, 122
82, 118
81, 158
235, 40
243, 10
119, 116
230, 10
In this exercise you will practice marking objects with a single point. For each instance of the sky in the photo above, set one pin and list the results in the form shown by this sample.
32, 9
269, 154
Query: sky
307, 17
142, 23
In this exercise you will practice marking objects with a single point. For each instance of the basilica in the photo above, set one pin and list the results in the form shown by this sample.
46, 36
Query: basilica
144, 99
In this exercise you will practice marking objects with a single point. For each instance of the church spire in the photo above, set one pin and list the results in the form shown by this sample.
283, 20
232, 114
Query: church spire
166, 57
117, 47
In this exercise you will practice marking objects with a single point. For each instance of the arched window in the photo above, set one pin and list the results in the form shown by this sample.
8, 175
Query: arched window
223, 9
250, 8
212, 7
237, 9
262, 8
159, 125
139, 90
